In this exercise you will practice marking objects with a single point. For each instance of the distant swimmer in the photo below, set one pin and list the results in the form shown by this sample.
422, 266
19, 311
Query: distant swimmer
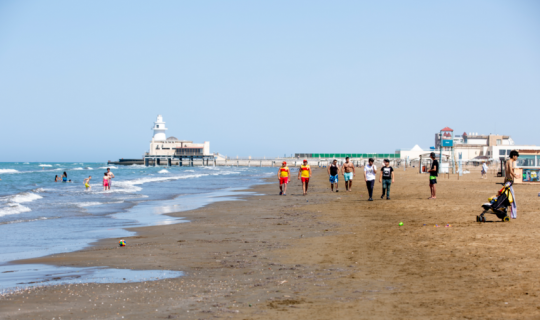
348, 173
370, 170
64, 177
305, 174
333, 174
283, 175
106, 181
87, 183
111, 175
387, 178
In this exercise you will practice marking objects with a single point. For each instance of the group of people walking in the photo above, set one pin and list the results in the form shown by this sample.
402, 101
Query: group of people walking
284, 173
348, 172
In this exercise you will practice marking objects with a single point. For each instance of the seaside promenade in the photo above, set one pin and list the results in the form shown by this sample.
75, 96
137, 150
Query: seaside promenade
321, 256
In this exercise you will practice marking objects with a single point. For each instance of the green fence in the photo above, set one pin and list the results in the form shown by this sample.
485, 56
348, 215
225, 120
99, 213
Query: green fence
356, 155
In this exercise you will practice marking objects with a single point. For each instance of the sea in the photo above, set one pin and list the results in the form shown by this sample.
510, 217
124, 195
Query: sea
40, 217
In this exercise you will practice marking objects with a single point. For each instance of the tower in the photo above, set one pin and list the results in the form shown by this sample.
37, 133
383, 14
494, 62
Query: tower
159, 129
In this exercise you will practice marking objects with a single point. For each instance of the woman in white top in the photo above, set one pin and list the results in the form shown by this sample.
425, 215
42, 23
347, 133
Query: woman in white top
370, 170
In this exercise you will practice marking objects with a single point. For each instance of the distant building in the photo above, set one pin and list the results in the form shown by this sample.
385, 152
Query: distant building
483, 146
171, 146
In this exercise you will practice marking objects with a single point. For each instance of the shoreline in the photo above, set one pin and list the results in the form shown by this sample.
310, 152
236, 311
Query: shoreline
322, 256
135, 217
187, 216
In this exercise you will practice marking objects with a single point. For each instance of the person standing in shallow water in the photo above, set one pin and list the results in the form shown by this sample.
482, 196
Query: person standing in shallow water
433, 173
370, 170
333, 174
386, 178
111, 175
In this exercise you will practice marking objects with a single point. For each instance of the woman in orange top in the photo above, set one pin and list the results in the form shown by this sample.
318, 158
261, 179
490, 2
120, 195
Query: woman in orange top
304, 173
283, 176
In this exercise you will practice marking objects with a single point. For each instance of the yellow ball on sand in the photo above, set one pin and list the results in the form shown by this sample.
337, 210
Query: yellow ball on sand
401, 223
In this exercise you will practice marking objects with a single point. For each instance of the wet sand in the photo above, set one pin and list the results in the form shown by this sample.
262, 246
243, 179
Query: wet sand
322, 256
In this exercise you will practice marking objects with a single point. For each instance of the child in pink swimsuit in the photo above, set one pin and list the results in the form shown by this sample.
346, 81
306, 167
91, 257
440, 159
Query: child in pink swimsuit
105, 181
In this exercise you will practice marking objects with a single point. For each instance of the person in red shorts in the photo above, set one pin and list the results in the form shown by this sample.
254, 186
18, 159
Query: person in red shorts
304, 173
283, 175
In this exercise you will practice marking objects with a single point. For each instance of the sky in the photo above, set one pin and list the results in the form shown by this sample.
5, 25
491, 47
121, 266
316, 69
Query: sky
85, 80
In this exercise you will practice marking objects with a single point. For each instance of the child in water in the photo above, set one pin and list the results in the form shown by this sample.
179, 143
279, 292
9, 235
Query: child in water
105, 181
87, 183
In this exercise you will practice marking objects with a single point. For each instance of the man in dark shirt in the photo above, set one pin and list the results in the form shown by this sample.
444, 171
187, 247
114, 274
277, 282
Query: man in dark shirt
433, 173
386, 177
333, 172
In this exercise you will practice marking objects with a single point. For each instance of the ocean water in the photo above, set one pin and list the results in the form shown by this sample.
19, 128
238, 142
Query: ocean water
40, 217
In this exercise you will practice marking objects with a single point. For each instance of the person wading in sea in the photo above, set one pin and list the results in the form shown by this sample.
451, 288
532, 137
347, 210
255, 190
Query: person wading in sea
111, 175
305, 174
348, 171
333, 174
283, 175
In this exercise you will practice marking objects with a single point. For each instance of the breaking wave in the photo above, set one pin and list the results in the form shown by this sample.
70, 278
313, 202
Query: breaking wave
9, 171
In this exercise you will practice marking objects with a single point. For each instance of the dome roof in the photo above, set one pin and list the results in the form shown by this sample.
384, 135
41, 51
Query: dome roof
171, 138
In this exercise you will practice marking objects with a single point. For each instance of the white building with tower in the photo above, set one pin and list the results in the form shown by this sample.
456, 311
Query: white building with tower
171, 146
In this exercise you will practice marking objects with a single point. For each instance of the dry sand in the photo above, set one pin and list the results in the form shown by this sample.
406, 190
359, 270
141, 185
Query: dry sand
323, 256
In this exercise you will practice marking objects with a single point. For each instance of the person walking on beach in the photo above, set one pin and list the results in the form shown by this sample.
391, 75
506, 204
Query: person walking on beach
283, 175
370, 170
305, 174
484, 170
333, 174
64, 177
433, 173
348, 172
387, 178
111, 175
510, 174
87, 183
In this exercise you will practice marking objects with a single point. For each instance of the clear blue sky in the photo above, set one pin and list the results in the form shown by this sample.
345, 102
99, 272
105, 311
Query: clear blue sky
84, 80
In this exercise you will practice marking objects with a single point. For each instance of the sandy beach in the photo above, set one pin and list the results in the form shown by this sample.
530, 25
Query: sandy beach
323, 256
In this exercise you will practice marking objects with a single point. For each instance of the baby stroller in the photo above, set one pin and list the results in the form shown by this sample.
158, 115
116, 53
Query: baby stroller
498, 205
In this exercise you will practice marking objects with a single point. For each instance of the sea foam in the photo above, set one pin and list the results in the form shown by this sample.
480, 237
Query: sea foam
9, 171
13, 209
88, 204
24, 197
